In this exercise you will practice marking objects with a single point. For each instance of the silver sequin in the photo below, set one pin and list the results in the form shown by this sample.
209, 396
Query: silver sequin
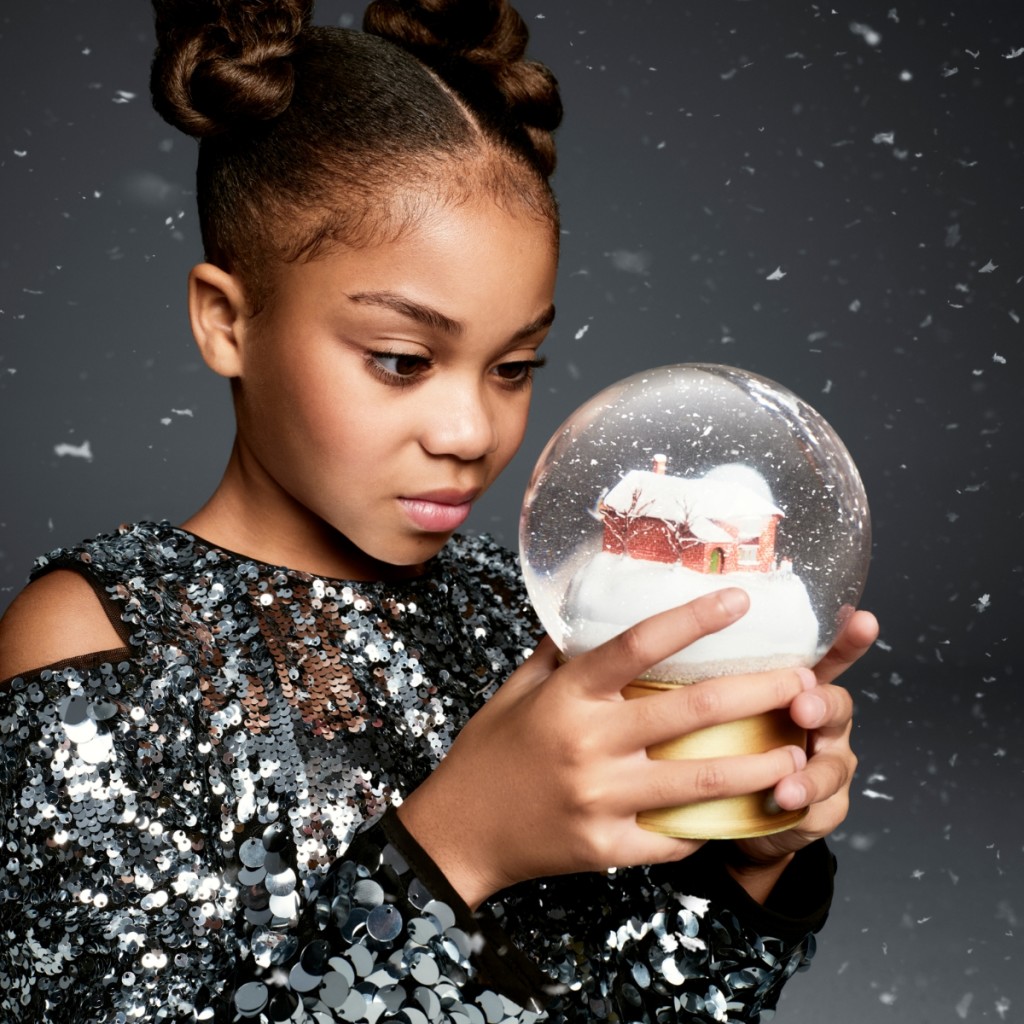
180, 818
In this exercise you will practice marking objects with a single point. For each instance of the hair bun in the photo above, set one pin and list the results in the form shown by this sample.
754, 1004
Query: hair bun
220, 64
478, 48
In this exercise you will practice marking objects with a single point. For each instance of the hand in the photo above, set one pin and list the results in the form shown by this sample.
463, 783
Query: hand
823, 786
548, 776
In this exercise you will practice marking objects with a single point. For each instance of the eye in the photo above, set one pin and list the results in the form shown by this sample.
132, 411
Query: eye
397, 367
399, 364
518, 372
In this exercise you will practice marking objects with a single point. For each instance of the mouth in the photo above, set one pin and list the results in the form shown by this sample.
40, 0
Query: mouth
439, 511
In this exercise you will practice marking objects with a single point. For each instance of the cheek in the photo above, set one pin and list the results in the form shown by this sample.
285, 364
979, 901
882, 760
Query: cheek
513, 427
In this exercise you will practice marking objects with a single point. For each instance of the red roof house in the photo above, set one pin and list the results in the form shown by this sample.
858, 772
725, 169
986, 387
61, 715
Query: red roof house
711, 524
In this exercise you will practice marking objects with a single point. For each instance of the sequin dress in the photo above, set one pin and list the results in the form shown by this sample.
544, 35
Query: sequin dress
196, 825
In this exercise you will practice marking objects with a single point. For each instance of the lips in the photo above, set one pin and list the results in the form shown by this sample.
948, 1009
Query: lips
439, 511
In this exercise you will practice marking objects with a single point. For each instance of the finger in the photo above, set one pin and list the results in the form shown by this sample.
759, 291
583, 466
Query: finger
679, 783
605, 670
826, 708
683, 709
825, 776
855, 640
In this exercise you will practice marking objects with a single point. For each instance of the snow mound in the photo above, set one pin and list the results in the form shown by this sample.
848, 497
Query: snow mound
612, 592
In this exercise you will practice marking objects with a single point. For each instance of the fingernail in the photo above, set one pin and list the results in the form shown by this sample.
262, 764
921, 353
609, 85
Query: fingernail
807, 678
817, 709
799, 758
734, 601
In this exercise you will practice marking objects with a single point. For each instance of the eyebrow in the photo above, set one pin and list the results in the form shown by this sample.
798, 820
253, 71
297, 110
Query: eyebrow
435, 319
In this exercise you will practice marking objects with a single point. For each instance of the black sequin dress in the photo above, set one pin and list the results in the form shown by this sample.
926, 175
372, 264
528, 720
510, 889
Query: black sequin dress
196, 824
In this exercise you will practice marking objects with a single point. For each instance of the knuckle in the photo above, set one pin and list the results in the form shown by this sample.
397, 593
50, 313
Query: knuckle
845, 701
694, 617
599, 852
704, 703
586, 797
578, 749
631, 645
710, 781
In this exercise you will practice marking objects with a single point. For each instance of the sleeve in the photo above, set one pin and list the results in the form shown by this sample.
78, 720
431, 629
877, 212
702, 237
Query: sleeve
106, 881
388, 939
681, 942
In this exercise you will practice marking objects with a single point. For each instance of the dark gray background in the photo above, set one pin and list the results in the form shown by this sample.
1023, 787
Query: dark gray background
872, 152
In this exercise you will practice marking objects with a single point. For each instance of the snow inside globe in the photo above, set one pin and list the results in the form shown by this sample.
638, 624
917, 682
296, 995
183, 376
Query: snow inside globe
686, 479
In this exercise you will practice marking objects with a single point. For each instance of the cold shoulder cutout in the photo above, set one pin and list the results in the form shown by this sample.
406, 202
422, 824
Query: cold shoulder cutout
58, 619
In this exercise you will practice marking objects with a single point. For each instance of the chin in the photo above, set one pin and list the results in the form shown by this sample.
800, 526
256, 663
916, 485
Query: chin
411, 558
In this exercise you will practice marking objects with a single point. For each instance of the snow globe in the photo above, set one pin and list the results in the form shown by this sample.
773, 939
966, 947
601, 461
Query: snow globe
674, 483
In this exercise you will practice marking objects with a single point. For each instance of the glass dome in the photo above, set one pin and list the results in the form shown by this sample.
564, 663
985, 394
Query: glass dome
685, 479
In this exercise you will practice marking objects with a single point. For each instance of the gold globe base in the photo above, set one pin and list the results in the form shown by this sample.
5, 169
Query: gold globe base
735, 817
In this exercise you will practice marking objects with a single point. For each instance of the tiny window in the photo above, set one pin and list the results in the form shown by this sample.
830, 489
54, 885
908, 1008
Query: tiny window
748, 554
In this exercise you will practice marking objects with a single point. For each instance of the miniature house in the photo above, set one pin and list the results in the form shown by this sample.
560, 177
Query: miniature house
712, 524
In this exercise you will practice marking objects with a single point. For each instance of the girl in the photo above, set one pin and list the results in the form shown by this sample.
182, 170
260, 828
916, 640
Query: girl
224, 795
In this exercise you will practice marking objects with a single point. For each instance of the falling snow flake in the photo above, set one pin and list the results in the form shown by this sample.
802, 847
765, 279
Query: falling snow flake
583, 330
866, 32
638, 262
74, 451
884, 138
988, 268
997, 358
983, 602
776, 275
874, 794
123, 96
1014, 54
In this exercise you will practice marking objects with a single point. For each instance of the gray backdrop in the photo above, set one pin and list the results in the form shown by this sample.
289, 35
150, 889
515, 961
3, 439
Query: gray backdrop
871, 153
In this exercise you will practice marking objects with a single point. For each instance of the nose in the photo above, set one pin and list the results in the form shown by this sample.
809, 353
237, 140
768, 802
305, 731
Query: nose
460, 423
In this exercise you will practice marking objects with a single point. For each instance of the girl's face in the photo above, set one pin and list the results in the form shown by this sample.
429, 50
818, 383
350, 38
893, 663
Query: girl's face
382, 390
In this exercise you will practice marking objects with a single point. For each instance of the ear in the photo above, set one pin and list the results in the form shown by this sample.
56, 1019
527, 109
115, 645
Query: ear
219, 311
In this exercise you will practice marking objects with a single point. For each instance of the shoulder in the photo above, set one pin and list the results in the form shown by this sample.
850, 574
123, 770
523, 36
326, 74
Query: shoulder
55, 618
86, 599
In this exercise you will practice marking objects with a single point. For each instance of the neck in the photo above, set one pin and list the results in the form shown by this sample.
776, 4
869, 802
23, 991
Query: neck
251, 515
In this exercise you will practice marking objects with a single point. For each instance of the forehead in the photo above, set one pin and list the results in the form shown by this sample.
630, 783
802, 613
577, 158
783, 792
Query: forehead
451, 255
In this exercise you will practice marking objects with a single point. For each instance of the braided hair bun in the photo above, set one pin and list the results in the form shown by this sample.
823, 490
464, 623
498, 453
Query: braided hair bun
221, 64
477, 47
314, 136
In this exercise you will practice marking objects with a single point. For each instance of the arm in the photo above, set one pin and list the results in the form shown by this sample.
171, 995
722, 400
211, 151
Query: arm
104, 877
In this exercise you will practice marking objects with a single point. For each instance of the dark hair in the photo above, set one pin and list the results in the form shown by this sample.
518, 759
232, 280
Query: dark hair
314, 136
